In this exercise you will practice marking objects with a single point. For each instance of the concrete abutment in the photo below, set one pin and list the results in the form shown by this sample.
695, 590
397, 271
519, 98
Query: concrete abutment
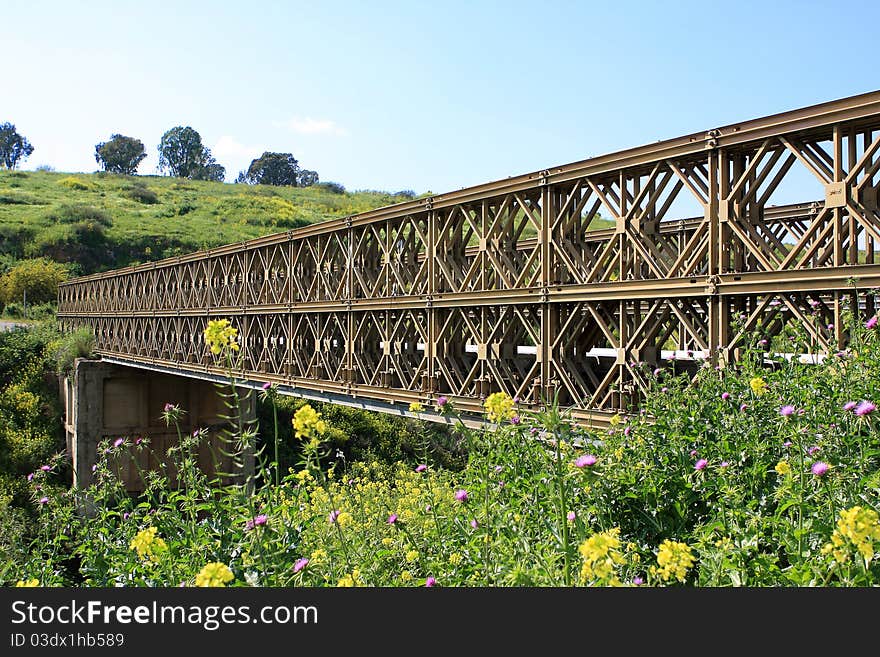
107, 401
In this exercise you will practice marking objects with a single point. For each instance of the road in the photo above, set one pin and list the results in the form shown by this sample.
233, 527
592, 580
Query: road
6, 325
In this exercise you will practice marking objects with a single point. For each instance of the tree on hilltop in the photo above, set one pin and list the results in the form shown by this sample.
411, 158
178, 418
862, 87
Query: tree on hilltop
120, 155
13, 147
280, 169
182, 154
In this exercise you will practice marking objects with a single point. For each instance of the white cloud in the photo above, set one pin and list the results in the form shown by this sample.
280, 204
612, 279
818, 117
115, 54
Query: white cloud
309, 126
228, 148
234, 155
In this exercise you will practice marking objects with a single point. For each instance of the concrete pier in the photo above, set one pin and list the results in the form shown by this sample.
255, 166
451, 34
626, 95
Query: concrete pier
109, 401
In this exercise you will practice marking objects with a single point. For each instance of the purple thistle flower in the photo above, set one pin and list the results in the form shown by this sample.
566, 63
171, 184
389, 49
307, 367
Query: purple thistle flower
44, 500
865, 408
257, 521
126, 515
95, 467
267, 385
30, 477
724, 464
812, 450
516, 400
533, 431
499, 468
626, 430
430, 582
725, 396
871, 323
787, 443
848, 406
333, 515
657, 372
461, 495
585, 461
819, 468
830, 327
762, 342
786, 410
701, 464
638, 581
743, 407
392, 518
169, 407
421, 467
46, 468
693, 452
474, 523
138, 440
300, 564
442, 401
571, 516
118, 442
515, 419
664, 389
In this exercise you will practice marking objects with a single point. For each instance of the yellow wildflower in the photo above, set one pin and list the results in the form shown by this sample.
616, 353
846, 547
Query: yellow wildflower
455, 558
601, 552
387, 541
406, 576
148, 545
214, 574
344, 519
615, 420
411, 556
499, 407
416, 407
307, 423
856, 527
27, 583
783, 468
220, 335
317, 556
758, 385
350, 580
674, 559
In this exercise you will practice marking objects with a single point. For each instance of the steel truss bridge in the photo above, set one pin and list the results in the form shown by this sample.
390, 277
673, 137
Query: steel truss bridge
519, 285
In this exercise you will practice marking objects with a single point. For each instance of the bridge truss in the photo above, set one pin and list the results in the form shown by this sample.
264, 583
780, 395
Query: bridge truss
576, 280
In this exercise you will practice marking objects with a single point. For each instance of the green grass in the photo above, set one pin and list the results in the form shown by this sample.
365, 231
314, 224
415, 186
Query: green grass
151, 217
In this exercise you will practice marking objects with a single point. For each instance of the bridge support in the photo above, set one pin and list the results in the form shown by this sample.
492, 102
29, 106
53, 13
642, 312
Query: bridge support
105, 401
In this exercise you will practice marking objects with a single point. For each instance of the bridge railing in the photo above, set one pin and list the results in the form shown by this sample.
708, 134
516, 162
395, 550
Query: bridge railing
573, 280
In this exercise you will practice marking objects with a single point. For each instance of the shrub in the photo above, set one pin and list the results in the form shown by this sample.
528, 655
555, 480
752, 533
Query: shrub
82, 243
142, 194
13, 240
76, 344
332, 187
77, 184
75, 214
6, 199
38, 278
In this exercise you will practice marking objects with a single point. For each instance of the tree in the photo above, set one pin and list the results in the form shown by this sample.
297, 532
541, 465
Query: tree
211, 170
13, 147
274, 169
307, 178
38, 278
120, 155
183, 155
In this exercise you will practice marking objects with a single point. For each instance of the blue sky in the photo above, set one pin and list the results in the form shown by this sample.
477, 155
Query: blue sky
417, 95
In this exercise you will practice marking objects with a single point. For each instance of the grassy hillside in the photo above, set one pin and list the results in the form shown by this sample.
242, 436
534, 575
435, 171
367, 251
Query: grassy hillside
100, 221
